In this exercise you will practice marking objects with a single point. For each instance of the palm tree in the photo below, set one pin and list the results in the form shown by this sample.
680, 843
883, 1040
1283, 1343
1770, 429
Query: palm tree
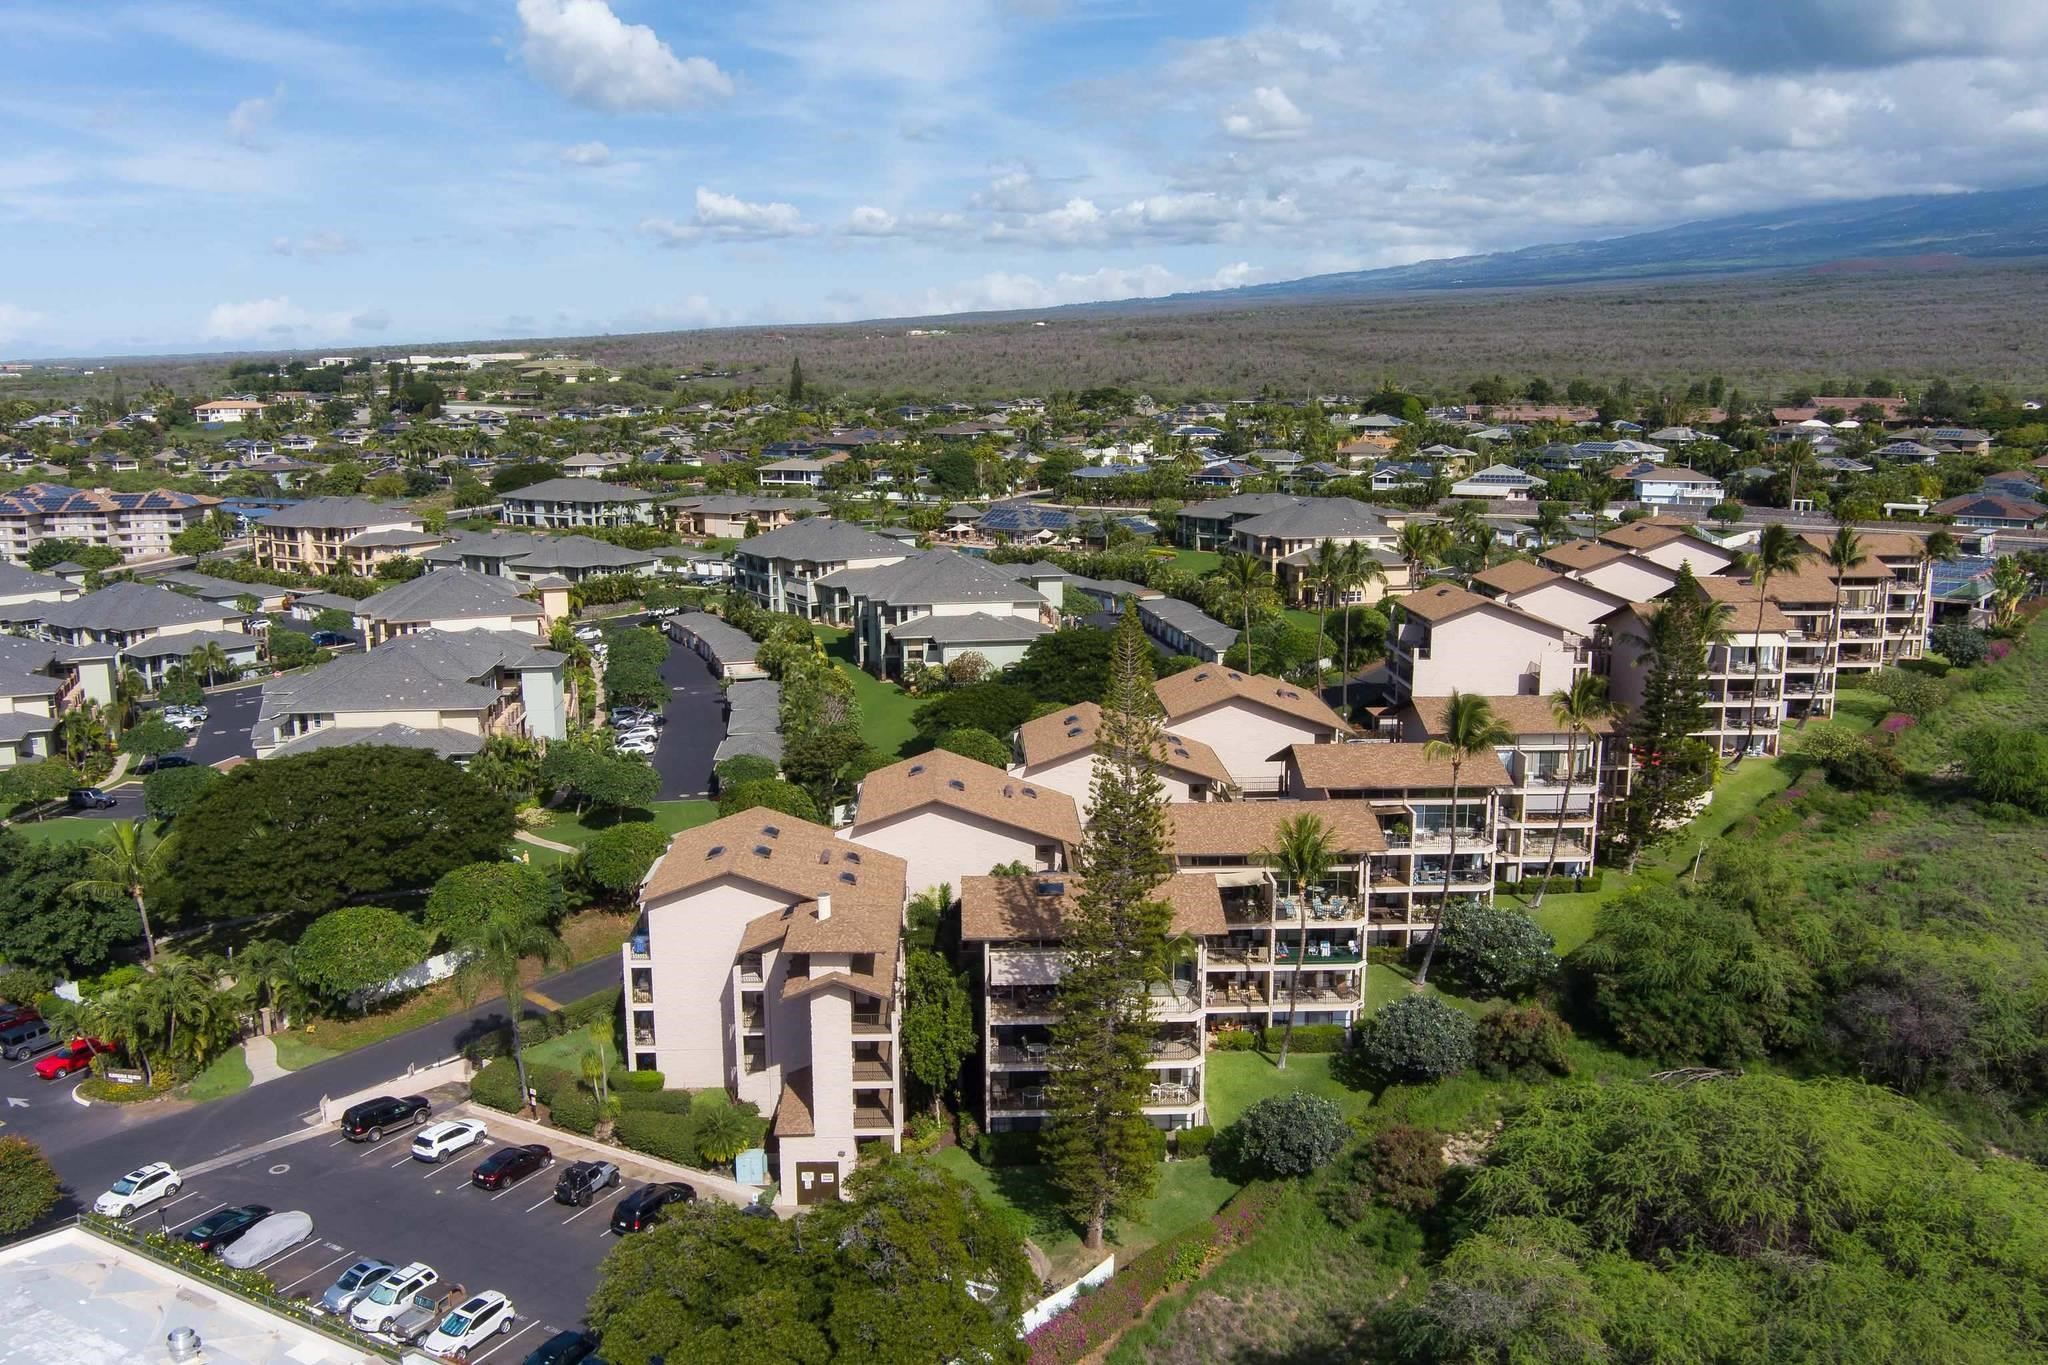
209, 659
1599, 492
1777, 552
1469, 729
1942, 547
1422, 546
82, 731
2010, 584
1795, 459
1302, 853
187, 992
1479, 539
129, 690
494, 953
129, 1016
125, 864
1576, 709
1248, 585
1844, 552
723, 1132
1358, 568
596, 1074
265, 981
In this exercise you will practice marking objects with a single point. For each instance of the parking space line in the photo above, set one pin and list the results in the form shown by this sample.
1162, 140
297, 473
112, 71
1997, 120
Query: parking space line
598, 1203
502, 1193
311, 1273
173, 1203
293, 1248
549, 1200
400, 1162
195, 1218
507, 1341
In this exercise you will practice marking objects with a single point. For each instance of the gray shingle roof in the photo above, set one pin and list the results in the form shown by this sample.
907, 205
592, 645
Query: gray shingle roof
447, 594
126, 607
446, 743
433, 670
1316, 519
1241, 504
336, 514
822, 540
974, 628
581, 552
16, 581
729, 644
930, 577
578, 490
1190, 620
179, 646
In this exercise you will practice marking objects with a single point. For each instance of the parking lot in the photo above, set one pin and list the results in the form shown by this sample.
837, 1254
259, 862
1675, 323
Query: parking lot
374, 1200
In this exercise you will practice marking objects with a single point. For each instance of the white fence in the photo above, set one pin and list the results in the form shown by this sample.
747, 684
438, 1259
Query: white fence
439, 967
1046, 1309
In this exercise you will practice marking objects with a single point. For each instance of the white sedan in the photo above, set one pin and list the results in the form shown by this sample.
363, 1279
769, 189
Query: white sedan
479, 1317
641, 745
139, 1188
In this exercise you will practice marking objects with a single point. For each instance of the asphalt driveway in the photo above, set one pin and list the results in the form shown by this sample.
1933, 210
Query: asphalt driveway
230, 716
696, 724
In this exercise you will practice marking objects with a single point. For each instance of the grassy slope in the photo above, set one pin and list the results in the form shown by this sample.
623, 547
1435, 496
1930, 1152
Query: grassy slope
567, 827
886, 710
223, 1076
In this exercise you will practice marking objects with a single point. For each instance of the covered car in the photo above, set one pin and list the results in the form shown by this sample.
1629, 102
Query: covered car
276, 1233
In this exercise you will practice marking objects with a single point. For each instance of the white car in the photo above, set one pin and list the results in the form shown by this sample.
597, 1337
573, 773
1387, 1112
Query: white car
639, 731
446, 1138
588, 633
139, 1188
642, 745
479, 1317
267, 1239
391, 1295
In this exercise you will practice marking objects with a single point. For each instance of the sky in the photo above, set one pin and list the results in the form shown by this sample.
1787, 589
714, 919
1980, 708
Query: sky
185, 176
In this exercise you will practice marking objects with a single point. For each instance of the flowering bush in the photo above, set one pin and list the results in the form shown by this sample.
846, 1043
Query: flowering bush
1897, 722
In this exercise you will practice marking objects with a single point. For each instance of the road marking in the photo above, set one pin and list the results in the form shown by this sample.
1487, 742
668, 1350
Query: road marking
543, 1001
173, 1203
295, 1246
594, 1204
396, 1164
311, 1273
215, 1209
502, 1193
549, 1200
507, 1341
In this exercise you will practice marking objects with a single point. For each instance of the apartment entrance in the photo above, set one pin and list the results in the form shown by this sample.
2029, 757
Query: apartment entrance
817, 1182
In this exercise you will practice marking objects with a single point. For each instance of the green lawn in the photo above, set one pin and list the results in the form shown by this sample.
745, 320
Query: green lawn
1188, 1192
295, 1053
69, 829
886, 710
567, 827
223, 1076
1197, 562
567, 1051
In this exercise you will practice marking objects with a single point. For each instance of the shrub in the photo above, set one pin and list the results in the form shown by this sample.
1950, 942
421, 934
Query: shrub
468, 896
356, 949
639, 1080
657, 1101
1235, 1040
1007, 1149
1285, 1135
2007, 764
672, 1137
551, 1082
28, 1185
497, 1086
1419, 1039
976, 744
745, 768
1916, 694
19, 986
616, 859
1525, 1041
1864, 766
575, 1109
774, 794
1310, 1038
922, 1133
1496, 950
1961, 644
1193, 1142
601, 1005
1407, 1167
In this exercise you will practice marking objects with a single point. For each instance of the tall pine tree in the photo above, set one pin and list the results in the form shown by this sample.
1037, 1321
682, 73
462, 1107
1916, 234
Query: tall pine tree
1103, 1153
1673, 767
796, 380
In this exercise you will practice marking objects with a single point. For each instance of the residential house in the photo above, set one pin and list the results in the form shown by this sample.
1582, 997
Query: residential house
34, 685
140, 626
780, 569
1057, 750
445, 691
1452, 640
1287, 539
228, 411
1208, 525
1248, 719
1992, 511
948, 817
320, 535
449, 600
1014, 928
797, 471
25, 588
133, 525
1659, 485
768, 964
733, 517
1502, 482
932, 607
528, 559
568, 504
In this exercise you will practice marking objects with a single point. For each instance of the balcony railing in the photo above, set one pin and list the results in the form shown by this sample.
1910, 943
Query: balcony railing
1283, 956
1021, 1054
867, 1069
1175, 1050
1016, 1097
870, 1117
1171, 1096
1023, 1005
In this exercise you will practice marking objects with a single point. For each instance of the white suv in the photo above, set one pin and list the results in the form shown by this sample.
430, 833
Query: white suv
485, 1315
446, 1138
141, 1186
391, 1296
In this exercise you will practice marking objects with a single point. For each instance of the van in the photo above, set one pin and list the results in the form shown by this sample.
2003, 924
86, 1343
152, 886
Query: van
18, 1042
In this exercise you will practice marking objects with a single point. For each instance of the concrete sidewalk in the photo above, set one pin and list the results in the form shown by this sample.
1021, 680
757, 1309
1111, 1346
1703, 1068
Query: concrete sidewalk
261, 1055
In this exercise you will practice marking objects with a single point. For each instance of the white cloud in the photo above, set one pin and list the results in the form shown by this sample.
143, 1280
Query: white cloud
247, 120
591, 154
1271, 116
869, 221
729, 217
314, 244
588, 55
277, 318
1186, 217
16, 321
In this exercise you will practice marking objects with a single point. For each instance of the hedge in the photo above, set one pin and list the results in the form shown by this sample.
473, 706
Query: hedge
497, 1087
672, 1137
1560, 883
636, 1080
571, 1017
1190, 1143
1096, 1319
1307, 1038
576, 1110
656, 1101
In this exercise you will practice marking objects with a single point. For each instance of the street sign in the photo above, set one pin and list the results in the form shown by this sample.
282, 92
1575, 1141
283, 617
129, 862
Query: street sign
125, 1077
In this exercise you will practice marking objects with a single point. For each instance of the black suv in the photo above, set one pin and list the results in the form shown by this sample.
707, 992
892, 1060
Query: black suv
642, 1208
367, 1121
581, 1182
219, 1230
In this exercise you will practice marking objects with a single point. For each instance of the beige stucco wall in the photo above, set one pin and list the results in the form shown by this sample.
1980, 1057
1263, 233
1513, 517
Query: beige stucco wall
1493, 655
1245, 737
694, 940
1566, 603
1630, 578
946, 845
1073, 773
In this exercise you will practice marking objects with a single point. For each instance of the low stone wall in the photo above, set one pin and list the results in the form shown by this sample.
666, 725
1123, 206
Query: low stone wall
416, 1080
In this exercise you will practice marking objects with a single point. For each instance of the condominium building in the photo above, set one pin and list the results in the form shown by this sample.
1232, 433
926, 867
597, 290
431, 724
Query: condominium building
767, 963
1745, 672
140, 626
133, 525
1452, 640
451, 600
780, 570
733, 517
568, 504
1440, 835
1057, 751
34, 684
1892, 611
937, 605
949, 817
1247, 719
321, 535
1288, 539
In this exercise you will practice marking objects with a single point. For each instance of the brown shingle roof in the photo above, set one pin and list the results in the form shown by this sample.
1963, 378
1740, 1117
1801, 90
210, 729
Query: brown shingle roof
1389, 767
1582, 554
1645, 535
1876, 544
1442, 602
793, 1110
1523, 715
797, 858
1065, 733
1200, 688
956, 782
1244, 829
1740, 594
1517, 575
1005, 909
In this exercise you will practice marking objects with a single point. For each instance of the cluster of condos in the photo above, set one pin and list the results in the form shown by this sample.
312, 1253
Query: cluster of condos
768, 959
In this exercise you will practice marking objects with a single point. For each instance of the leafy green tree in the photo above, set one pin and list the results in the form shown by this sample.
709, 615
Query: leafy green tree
355, 949
289, 649
169, 792
2007, 763
1578, 709
1065, 666
997, 708
773, 794
333, 619
1468, 730
313, 831
1496, 950
616, 859
1102, 1151
1963, 645
745, 768
1416, 1038
28, 1186
127, 863
467, 896
48, 925
152, 739
1285, 1135
1302, 853
979, 745
196, 540
596, 775
1523, 1041
496, 951
37, 783
938, 1024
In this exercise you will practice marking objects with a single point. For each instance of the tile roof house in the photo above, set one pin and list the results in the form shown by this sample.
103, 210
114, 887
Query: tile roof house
1247, 719
1992, 511
948, 817
768, 963
1057, 750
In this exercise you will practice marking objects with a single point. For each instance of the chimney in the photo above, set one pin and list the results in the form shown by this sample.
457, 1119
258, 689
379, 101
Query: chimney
825, 906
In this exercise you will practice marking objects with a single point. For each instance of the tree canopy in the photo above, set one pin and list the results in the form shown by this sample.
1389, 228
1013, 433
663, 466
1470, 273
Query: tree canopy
351, 950
314, 831
47, 925
467, 896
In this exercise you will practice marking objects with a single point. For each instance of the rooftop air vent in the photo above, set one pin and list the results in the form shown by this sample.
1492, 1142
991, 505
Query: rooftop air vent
1009, 790
824, 857
851, 857
183, 1343
849, 879
916, 768
1202, 676
1074, 732
956, 784
713, 851
1236, 677
763, 851
1071, 717
772, 831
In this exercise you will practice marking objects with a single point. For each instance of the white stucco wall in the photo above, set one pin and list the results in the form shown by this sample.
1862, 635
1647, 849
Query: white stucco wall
1631, 578
1490, 654
1246, 737
694, 940
946, 845
1073, 773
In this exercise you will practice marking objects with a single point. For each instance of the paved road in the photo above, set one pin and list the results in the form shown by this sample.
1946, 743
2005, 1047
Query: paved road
696, 723
230, 715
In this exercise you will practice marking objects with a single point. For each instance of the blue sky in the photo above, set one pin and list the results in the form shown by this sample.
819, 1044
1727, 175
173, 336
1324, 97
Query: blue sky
208, 176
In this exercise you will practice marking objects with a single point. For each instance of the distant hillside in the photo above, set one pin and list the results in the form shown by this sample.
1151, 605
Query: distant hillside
1991, 224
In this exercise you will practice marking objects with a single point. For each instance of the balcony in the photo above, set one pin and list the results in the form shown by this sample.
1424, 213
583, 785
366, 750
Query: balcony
1016, 1098
1427, 840
1180, 1050
872, 1070
1169, 1095
1319, 955
638, 949
1019, 1004
869, 1022
1237, 995
643, 1037
871, 1118
1319, 909
753, 1020
1020, 1054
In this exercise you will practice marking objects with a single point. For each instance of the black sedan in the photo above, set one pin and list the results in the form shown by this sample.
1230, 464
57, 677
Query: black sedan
367, 1121
563, 1348
508, 1164
222, 1229
642, 1208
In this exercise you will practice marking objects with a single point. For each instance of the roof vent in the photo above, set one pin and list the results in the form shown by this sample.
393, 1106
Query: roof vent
916, 768
1074, 731
183, 1343
956, 784
1009, 790
1180, 752
849, 879
825, 907
772, 831
824, 857
1237, 677
851, 857
763, 851
1202, 676
1071, 717
713, 852
1050, 888
1288, 693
